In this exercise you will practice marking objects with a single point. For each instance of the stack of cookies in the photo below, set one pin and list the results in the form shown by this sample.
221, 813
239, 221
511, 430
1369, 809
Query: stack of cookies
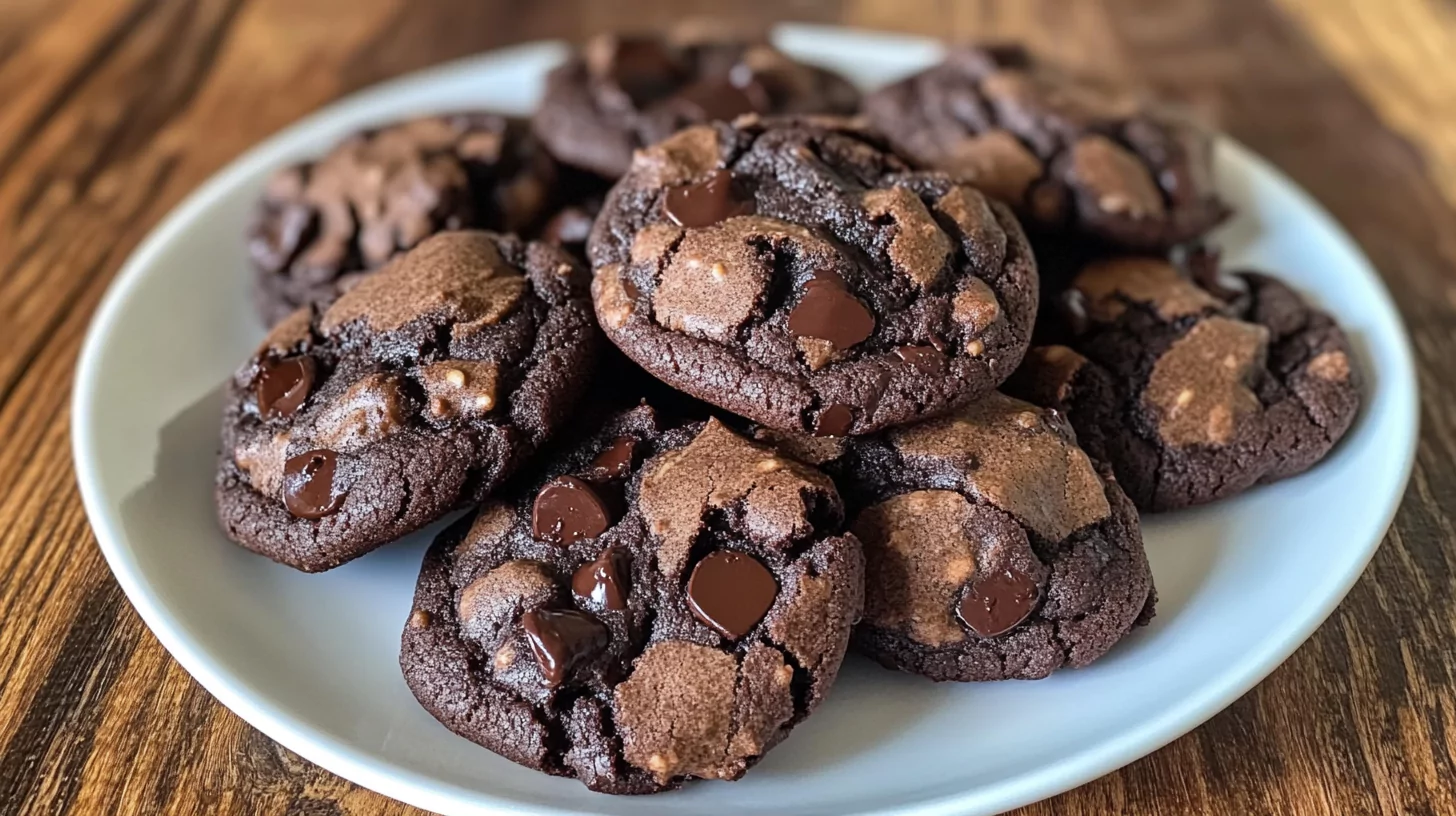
738, 371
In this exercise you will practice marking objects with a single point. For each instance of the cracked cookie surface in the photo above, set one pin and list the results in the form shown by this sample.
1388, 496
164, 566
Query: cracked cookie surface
622, 92
415, 393
1063, 151
1194, 391
657, 604
994, 547
796, 272
321, 224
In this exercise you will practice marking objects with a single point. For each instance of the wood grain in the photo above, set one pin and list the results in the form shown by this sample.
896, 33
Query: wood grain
1398, 56
111, 110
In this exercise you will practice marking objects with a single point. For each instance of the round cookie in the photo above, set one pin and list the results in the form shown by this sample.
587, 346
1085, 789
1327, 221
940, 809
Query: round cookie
1063, 151
1195, 392
621, 92
660, 604
796, 272
415, 393
383, 191
994, 547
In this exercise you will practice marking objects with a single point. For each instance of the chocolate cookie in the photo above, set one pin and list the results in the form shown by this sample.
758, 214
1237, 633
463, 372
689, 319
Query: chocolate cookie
383, 191
661, 604
798, 273
1195, 392
994, 547
1061, 150
416, 392
621, 92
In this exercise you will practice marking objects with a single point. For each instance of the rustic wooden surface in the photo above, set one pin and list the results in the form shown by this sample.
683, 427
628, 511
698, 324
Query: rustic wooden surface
111, 110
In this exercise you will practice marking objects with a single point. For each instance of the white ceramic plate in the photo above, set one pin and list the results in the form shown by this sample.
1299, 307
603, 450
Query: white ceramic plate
311, 659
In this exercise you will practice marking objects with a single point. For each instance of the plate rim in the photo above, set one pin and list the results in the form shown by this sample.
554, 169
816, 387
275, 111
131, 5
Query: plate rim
341, 757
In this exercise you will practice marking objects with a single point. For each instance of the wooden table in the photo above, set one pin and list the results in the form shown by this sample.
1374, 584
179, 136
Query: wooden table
112, 110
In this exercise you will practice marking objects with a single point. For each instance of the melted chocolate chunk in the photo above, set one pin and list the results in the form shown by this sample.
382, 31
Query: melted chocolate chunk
308, 484
731, 592
644, 68
706, 202
1074, 310
998, 603
567, 510
562, 638
719, 99
827, 311
834, 420
925, 358
630, 287
282, 386
604, 582
615, 462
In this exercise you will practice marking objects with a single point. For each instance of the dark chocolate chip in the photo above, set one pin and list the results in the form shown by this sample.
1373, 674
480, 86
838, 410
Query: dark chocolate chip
925, 358
562, 638
705, 203
719, 99
834, 420
308, 484
615, 462
644, 68
604, 582
1074, 310
998, 603
567, 510
283, 385
827, 311
630, 287
731, 592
